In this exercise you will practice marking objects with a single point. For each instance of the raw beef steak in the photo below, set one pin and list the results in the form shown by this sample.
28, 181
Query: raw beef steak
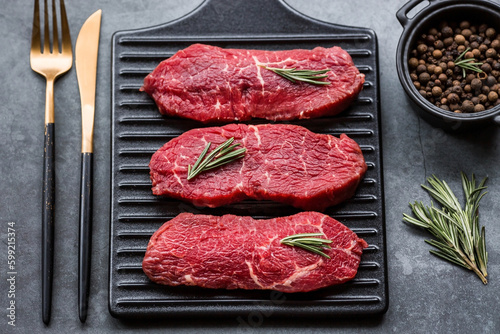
232, 252
211, 84
283, 163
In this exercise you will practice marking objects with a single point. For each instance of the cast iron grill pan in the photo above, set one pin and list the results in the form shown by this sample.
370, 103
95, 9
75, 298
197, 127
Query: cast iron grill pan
138, 130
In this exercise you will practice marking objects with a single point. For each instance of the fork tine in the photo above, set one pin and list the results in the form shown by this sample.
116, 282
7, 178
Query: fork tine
35, 35
46, 36
55, 37
66, 38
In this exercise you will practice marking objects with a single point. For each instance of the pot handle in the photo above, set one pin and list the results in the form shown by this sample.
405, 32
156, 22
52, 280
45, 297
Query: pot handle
401, 13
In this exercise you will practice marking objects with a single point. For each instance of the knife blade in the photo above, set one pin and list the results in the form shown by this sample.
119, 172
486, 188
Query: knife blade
86, 50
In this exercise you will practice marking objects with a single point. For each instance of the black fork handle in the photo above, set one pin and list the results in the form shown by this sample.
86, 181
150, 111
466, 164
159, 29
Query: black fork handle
48, 221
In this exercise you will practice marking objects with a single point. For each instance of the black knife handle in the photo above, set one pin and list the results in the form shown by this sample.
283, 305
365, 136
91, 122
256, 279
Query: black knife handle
85, 245
48, 205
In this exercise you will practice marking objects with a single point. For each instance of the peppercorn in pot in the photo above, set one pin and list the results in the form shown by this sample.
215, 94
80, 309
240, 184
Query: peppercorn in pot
456, 66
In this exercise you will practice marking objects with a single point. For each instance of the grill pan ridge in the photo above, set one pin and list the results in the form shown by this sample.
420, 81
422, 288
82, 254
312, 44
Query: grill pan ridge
138, 130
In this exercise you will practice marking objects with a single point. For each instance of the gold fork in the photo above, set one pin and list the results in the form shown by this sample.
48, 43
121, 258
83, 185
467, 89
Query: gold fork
50, 61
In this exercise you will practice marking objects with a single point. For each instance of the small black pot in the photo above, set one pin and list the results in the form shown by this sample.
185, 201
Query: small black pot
478, 11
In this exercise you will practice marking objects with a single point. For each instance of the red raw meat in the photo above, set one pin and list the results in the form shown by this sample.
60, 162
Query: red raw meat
232, 252
284, 163
211, 84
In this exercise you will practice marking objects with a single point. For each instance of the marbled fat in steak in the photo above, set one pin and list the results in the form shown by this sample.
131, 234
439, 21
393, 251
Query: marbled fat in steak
211, 84
232, 252
283, 163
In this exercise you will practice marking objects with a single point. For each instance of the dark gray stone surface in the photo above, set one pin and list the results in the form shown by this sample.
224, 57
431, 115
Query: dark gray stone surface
427, 295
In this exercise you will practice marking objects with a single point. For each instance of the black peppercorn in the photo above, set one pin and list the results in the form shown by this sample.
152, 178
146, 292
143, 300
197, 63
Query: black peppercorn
413, 62
469, 77
453, 98
436, 91
482, 98
468, 55
476, 84
464, 25
421, 68
460, 39
422, 48
478, 108
429, 40
438, 44
490, 53
457, 89
448, 41
466, 33
490, 81
446, 32
467, 106
437, 54
492, 96
490, 32
424, 78
495, 44
486, 68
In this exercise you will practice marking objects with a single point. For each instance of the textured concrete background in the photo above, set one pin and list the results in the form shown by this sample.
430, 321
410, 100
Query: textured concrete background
427, 295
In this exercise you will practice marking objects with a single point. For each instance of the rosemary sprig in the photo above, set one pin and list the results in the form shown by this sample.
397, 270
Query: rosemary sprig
221, 155
467, 64
310, 76
458, 236
308, 242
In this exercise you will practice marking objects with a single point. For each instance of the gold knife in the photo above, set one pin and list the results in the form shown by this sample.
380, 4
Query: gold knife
86, 50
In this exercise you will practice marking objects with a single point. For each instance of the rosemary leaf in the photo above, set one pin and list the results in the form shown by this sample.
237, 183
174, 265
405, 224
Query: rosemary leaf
467, 64
292, 74
221, 155
450, 258
459, 239
229, 157
308, 242
200, 158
